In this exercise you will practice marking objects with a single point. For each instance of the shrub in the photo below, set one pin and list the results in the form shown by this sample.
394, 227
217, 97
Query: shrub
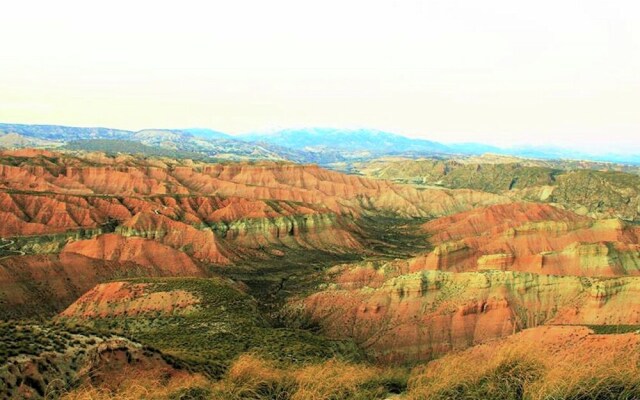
607, 387
192, 393
506, 382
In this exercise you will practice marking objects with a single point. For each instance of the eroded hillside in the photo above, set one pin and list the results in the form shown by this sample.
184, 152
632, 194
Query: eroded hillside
492, 272
230, 270
92, 217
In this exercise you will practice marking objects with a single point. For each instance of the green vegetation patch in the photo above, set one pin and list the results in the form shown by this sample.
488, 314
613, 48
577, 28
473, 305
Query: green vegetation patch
610, 387
498, 178
613, 329
113, 147
27, 338
225, 324
506, 382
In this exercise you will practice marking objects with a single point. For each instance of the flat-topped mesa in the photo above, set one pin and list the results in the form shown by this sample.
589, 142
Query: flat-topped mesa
418, 316
27, 153
531, 237
599, 190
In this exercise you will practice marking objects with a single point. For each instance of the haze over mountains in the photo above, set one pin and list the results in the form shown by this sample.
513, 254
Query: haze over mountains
317, 145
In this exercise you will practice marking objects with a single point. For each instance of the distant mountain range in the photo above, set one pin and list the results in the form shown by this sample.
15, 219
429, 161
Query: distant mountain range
310, 145
356, 143
181, 142
357, 140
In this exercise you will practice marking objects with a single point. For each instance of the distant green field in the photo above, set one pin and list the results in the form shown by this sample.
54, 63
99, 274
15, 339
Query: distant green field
613, 329
112, 147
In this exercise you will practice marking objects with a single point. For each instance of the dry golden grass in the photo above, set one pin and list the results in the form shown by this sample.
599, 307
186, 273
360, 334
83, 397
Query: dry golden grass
134, 383
332, 379
543, 363
251, 377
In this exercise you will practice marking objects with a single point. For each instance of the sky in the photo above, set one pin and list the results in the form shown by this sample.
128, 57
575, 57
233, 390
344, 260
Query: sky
502, 72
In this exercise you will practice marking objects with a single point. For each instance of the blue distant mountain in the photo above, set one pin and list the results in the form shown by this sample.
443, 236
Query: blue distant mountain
351, 143
64, 133
315, 145
187, 142
473, 148
347, 140
207, 133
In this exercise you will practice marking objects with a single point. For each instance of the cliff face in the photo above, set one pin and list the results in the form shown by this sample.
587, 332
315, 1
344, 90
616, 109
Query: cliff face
531, 237
418, 316
200, 243
41, 213
492, 272
59, 359
127, 176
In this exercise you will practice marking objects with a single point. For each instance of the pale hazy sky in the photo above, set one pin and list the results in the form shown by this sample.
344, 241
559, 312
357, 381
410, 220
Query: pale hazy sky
496, 71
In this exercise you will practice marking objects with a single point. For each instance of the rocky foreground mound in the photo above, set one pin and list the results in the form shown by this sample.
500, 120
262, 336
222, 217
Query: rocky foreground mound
45, 361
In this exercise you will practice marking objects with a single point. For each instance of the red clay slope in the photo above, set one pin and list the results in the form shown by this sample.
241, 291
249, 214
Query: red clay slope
217, 213
135, 177
416, 316
531, 237
493, 271
144, 252
45, 284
